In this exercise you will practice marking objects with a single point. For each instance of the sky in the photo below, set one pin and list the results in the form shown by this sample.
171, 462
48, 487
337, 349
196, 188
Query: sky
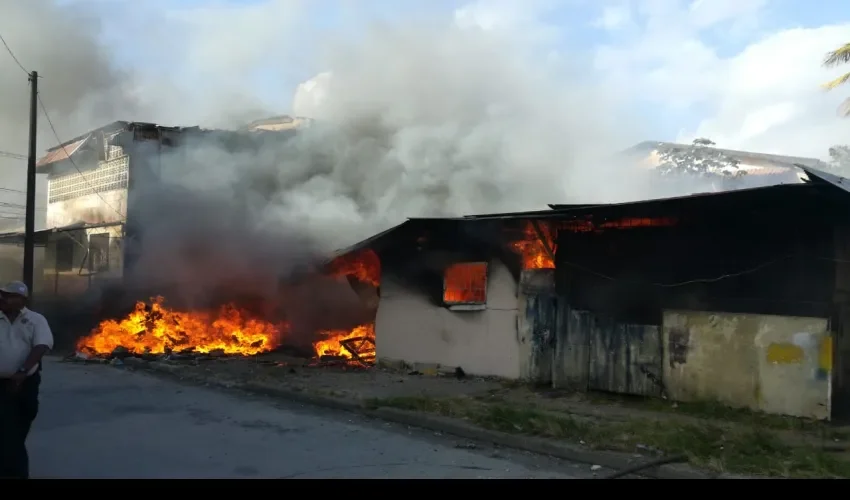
743, 73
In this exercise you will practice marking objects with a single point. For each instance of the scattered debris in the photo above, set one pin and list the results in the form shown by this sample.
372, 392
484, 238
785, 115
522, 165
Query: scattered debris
362, 349
649, 449
121, 352
646, 465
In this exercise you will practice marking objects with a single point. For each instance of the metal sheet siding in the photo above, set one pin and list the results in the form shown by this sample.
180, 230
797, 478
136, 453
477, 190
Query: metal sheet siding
572, 349
624, 358
537, 323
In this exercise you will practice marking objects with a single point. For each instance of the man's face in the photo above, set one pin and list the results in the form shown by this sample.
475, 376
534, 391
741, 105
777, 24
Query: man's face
11, 302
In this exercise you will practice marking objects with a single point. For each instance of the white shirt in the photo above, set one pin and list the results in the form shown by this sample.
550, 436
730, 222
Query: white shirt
19, 337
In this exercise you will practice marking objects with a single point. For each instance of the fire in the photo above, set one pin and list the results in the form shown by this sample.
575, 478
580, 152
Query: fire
532, 249
465, 283
158, 330
365, 265
361, 340
359, 343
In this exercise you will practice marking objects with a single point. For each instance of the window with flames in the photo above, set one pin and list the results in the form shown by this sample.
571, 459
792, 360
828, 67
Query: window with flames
465, 284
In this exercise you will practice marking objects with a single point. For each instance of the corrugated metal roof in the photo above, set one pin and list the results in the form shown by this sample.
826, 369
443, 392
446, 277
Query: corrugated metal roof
566, 210
367, 242
719, 194
41, 235
819, 176
63, 152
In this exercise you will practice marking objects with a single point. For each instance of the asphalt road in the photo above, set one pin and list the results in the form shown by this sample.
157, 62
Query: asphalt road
104, 422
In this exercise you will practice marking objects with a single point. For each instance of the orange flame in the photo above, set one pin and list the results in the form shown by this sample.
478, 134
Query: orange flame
532, 250
332, 344
159, 330
465, 283
365, 265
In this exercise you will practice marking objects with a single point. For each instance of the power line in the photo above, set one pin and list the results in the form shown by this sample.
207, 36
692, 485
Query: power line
64, 150
681, 283
55, 134
9, 50
16, 156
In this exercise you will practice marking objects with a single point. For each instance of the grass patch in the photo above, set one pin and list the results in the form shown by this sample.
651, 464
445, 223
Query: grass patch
756, 451
717, 411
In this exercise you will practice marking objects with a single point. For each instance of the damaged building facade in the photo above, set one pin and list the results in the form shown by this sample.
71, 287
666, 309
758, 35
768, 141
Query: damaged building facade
94, 187
89, 183
736, 297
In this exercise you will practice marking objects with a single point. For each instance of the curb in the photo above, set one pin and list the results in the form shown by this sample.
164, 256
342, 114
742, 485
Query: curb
611, 460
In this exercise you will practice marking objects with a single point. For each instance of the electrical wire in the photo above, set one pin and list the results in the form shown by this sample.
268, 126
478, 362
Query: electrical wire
50, 122
14, 156
688, 282
14, 57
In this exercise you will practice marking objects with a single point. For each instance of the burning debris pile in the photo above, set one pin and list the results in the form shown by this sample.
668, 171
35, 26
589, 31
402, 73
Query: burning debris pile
158, 330
153, 330
357, 345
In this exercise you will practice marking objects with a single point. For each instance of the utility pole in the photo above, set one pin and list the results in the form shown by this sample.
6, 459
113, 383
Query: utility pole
29, 226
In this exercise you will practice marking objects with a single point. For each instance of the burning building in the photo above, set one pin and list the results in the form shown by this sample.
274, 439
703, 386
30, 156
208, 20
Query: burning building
735, 297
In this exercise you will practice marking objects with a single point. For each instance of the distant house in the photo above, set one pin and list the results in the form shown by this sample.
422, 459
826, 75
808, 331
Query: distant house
279, 123
761, 169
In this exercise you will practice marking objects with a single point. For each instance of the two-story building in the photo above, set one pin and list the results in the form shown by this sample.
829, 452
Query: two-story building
89, 185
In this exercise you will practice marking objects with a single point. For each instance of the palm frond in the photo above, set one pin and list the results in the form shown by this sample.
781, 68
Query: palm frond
841, 80
844, 109
839, 56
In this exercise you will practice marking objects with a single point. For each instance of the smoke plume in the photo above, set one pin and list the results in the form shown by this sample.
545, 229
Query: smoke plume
419, 119
412, 118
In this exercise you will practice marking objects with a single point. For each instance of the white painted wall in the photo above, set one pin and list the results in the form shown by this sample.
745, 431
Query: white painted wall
95, 208
409, 327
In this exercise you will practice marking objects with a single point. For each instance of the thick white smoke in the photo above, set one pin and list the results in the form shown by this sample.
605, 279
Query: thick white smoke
431, 120
413, 118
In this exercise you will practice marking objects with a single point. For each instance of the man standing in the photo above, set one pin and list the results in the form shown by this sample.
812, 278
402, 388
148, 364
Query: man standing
25, 338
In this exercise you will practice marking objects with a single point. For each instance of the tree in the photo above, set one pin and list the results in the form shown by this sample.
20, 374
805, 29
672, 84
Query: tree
699, 159
839, 160
835, 58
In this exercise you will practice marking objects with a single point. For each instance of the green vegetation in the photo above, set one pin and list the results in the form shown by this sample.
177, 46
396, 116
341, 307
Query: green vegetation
743, 449
838, 57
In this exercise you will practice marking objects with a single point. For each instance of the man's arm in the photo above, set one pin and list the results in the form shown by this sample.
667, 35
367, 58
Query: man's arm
42, 343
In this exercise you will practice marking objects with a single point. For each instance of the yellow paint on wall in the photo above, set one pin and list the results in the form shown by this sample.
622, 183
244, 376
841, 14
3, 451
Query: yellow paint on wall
825, 354
782, 353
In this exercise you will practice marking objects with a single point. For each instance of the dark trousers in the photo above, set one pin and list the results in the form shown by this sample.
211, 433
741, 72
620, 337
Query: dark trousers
17, 412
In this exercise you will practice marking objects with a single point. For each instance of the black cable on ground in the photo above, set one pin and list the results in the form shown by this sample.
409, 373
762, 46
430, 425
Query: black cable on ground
647, 465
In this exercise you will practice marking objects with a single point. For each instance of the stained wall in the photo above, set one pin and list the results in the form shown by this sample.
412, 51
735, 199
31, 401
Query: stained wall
774, 364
